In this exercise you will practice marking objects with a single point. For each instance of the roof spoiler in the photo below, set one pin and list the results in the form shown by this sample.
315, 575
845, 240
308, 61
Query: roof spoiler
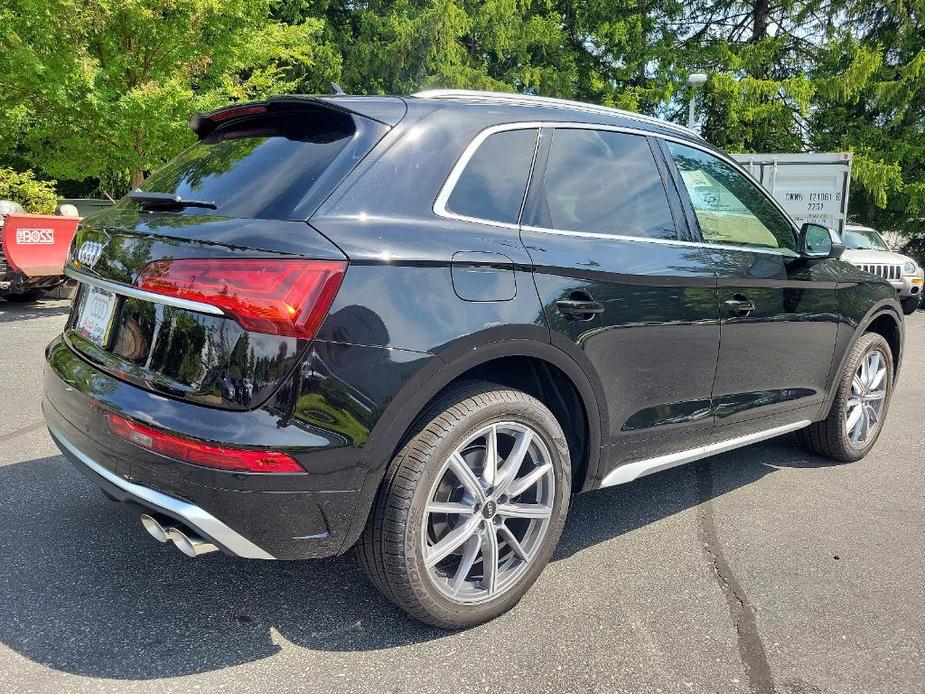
386, 110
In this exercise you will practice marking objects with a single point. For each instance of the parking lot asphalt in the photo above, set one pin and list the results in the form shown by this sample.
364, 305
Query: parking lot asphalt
761, 570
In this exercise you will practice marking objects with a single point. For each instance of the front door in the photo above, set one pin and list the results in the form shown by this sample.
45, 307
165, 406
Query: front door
779, 317
620, 284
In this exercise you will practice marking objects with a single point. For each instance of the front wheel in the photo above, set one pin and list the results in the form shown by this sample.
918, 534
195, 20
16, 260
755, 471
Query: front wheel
910, 304
471, 508
860, 406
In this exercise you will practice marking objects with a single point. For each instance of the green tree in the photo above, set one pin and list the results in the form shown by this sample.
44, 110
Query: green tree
871, 100
37, 197
103, 89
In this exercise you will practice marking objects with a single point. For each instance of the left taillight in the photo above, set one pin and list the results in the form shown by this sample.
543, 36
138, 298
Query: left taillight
265, 295
199, 452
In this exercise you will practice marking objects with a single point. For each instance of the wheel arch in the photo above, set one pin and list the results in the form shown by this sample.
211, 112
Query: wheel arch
528, 364
890, 326
883, 318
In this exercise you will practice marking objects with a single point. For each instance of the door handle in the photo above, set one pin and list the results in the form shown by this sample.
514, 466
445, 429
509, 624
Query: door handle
739, 305
579, 305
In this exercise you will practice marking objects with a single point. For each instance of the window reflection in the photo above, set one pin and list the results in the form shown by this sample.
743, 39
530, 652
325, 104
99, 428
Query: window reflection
729, 207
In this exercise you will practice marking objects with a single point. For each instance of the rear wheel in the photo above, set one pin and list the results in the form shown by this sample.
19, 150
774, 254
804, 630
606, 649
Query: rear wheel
471, 508
910, 304
861, 401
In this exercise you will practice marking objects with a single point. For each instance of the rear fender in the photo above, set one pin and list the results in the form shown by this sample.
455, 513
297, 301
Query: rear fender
454, 361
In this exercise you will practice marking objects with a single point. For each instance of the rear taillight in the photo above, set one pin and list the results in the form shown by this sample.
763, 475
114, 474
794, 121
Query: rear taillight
281, 297
198, 452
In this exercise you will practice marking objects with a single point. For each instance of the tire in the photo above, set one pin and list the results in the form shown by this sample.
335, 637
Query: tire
911, 304
833, 437
399, 547
24, 297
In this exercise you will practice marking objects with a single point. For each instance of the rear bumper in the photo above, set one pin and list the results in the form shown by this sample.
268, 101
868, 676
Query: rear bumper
266, 516
191, 515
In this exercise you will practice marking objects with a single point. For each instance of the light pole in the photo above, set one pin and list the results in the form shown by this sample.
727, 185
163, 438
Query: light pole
694, 80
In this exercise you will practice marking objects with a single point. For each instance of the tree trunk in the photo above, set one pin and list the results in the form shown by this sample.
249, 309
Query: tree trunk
761, 11
138, 175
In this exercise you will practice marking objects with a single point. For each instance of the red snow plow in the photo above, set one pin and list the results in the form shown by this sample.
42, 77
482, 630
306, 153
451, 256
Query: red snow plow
32, 254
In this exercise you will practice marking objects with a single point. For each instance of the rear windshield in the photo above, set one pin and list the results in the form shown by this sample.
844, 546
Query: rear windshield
261, 168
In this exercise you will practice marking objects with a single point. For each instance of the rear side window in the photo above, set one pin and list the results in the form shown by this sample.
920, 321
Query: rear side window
493, 184
259, 168
604, 182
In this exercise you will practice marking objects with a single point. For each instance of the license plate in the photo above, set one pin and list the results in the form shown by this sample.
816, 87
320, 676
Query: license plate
95, 318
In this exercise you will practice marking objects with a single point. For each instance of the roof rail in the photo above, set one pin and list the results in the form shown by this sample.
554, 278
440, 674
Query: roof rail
549, 102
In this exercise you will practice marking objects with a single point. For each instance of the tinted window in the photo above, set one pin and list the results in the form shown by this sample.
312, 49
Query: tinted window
261, 168
729, 207
604, 182
493, 183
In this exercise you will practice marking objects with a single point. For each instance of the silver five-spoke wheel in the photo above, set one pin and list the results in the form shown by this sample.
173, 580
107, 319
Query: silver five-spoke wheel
864, 406
488, 512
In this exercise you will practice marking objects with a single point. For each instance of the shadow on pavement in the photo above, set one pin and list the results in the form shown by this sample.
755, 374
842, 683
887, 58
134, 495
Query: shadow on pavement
12, 311
85, 590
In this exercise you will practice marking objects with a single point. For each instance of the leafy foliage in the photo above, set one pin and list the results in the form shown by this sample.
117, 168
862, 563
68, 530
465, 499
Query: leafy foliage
100, 90
103, 89
36, 197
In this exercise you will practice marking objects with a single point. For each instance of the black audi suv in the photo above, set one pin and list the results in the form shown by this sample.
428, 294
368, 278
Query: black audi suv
415, 326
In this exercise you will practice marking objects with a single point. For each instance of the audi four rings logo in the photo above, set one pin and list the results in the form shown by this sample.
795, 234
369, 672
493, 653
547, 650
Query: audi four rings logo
89, 252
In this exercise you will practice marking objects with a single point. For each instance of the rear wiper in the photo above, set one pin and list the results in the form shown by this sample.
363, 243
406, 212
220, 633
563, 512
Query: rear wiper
166, 201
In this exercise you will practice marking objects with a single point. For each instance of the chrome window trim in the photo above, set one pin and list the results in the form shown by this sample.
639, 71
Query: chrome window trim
135, 293
632, 471
786, 252
194, 516
446, 190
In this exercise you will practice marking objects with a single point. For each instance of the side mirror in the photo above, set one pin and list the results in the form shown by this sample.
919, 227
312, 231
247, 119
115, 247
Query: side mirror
817, 242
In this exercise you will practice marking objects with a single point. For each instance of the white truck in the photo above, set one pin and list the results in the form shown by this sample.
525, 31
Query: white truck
813, 187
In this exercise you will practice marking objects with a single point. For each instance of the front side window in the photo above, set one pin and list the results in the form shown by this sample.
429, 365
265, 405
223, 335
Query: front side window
730, 208
604, 182
493, 184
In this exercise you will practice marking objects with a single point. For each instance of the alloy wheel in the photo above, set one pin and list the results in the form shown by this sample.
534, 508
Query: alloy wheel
864, 407
488, 512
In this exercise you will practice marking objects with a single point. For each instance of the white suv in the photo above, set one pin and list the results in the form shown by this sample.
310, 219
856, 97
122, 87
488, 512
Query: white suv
865, 248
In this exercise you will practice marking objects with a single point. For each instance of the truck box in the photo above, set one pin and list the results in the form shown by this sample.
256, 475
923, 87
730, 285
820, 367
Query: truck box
812, 187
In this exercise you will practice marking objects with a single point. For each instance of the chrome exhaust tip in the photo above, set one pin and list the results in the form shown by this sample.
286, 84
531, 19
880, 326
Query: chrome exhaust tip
189, 544
155, 529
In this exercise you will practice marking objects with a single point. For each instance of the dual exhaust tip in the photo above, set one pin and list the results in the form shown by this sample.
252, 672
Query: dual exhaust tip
191, 545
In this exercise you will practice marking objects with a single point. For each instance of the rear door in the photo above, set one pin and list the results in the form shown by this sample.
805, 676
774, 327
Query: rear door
622, 288
779, 317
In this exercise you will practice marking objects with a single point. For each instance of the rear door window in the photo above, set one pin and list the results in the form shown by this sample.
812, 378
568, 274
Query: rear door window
493, 183
262, 167
603, 182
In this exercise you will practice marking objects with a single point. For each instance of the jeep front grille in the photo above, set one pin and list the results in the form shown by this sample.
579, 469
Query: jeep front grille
887, 272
